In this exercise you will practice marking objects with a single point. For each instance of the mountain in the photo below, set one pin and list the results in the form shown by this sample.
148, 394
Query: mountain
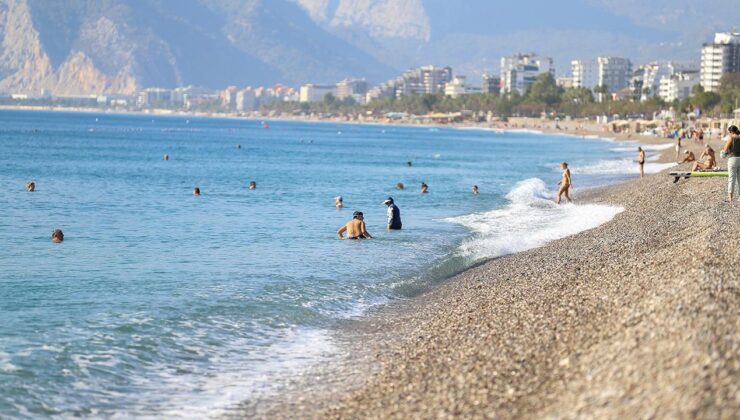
118, 46
472, 35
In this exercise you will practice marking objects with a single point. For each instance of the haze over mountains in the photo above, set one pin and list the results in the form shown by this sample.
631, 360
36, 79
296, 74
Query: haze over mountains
118, 46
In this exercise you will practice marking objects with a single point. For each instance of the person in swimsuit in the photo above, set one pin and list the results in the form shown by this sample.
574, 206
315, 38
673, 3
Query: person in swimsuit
732, 151
564, 183
30, 186
57, 236
641, 161
355, 228
708, 164
689, 157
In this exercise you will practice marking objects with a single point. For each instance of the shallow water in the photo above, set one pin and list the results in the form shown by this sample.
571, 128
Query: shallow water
159, 303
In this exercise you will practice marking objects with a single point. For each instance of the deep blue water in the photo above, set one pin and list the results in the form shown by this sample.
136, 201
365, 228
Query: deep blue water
159, 303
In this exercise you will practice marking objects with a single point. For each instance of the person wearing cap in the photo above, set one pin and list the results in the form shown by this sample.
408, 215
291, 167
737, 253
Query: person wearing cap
689, 156
394, 214
732, 151
355, 228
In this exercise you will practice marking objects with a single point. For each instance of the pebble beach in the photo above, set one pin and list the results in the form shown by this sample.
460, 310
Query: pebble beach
637, 318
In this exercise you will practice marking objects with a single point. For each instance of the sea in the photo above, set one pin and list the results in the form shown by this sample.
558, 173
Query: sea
163, 304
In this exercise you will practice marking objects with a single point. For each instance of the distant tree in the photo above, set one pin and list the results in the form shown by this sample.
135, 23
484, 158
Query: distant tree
579, 95
545, 90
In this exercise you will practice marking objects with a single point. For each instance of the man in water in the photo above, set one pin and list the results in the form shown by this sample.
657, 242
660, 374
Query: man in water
394, 215
355, 228
30, 186
689, 157
564, 183
424, 188
57, 236
338, 201
641, 161
252, 185
196, 191
475, 190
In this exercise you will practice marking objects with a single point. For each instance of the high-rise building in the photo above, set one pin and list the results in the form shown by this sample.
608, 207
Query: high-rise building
354, 88
490, 84
315, 93
678, 86
645, 81
426, 80
519, 71
456, 87
154, 98
720, 57
246, 100
612, 72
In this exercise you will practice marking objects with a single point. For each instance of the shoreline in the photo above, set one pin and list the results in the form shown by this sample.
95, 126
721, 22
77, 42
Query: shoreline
549, 332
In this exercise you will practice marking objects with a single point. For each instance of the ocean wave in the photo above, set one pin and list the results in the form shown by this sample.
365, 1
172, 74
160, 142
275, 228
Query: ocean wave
530, 220
620, 167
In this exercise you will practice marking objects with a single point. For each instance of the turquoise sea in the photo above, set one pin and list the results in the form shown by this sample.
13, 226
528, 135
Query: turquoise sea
160, 304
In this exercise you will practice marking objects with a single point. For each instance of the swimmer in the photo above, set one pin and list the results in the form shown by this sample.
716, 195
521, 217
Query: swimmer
564, 183
196, 191
355, 228
641, 161
166, 157
409, 163
30, 186
252, 185
475, 189
400, 186
57, 236
338, 202
238, 146
424, 188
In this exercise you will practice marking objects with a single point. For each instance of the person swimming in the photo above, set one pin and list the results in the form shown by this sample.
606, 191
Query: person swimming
196, 191
400, 186
252, 185
564, 184
338, 201
166, 157
238, 146
409, 163
475, 189
424, 188
355, 228
30, 186
57, 236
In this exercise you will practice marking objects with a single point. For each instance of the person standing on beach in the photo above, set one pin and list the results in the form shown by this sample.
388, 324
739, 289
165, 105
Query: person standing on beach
394, 214
732, 151
564, 183
641, 161
355, 228
678, 147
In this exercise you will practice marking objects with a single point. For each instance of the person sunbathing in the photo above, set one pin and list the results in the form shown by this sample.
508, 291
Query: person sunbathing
708, 164
689, 157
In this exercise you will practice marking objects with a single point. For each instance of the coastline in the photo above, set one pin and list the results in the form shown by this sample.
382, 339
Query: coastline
635, 318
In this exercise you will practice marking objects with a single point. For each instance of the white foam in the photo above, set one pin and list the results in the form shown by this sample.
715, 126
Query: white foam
620, 167
531, 219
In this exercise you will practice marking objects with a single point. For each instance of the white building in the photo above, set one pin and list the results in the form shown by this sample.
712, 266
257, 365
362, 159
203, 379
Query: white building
519, 71
352, 88
645, 82
456, 87
426, 80
612, 72
678, 86
315, 93
720, 57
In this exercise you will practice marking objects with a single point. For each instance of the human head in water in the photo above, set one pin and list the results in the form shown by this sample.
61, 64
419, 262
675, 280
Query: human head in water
400, 186
475, 189
252, 185
57, 236
338, 201
30, 186
196, 191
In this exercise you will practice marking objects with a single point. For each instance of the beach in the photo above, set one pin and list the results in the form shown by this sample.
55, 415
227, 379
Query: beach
636, 318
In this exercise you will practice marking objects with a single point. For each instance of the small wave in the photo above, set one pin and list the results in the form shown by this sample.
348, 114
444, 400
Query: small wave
620, 167
531, 219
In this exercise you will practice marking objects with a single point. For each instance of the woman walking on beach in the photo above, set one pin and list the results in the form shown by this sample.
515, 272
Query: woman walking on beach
564, 183
732, 150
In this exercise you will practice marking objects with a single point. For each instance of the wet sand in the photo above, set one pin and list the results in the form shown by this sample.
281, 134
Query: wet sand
636, 318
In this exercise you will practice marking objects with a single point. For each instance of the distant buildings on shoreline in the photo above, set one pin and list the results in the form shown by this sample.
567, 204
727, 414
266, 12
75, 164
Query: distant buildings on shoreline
606, 76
